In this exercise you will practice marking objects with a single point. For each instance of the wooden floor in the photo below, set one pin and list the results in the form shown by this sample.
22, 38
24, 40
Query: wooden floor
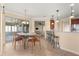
46, 50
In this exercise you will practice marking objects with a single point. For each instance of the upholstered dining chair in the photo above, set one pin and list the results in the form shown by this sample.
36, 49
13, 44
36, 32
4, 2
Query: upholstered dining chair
17, 38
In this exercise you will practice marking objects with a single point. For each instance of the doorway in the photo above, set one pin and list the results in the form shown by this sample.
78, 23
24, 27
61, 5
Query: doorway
39, 28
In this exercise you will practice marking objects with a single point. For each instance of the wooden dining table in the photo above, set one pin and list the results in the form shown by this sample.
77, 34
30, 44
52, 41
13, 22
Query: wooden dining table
26, 35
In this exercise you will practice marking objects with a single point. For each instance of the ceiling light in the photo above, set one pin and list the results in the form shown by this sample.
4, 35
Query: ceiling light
57, 21
73, 11
23, 22
71, 16
72, 4
27, 22
52, 23
57, 10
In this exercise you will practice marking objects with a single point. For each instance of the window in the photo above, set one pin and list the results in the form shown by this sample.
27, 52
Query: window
75, 27
8, 28
66, 25
14, 28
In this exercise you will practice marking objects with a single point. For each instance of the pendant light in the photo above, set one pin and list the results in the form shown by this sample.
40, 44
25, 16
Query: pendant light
25, 22
72, 10
57, 11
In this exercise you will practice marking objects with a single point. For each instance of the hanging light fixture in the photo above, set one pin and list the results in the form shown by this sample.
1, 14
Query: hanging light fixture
57, 15
52, 18
25, 13
3, 9
25, 22
72, 10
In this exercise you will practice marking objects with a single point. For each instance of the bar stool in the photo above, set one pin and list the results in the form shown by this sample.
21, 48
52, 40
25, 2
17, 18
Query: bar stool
56, 41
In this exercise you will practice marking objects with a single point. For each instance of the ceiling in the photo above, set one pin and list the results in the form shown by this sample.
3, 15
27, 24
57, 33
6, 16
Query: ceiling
42, 9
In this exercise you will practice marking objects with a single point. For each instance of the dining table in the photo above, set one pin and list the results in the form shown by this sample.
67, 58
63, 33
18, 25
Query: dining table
26, 36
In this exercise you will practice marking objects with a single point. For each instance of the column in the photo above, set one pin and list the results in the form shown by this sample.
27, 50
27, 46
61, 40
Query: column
2, 30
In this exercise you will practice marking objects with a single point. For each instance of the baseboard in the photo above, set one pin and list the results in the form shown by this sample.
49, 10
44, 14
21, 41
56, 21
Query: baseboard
69, 50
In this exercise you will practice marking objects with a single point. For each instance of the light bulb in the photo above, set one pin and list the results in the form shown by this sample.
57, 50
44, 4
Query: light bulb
27, 22
52, 23
24, 22
73, 11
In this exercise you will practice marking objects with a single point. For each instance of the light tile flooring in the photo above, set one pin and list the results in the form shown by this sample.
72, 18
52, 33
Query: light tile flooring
46, 50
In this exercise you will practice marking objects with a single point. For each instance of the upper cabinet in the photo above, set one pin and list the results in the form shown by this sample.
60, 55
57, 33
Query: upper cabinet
69, 25
75, 25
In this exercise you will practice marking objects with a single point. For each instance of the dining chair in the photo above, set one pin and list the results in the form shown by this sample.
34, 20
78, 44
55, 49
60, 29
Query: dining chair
17, 38
33, 40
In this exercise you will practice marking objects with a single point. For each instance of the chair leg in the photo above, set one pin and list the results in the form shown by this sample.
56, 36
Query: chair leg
24, 43
32, 46
27, 43
34, 43
40, 44
14, 44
